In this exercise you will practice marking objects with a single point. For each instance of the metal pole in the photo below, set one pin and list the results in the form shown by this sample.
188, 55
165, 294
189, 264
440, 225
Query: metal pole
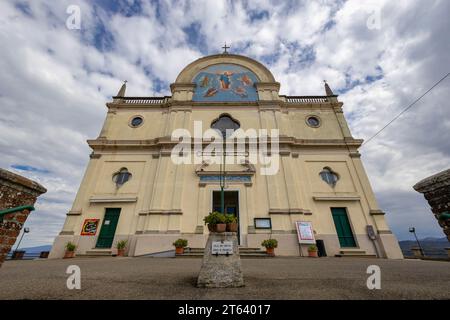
418, 243
222, 185
23, 233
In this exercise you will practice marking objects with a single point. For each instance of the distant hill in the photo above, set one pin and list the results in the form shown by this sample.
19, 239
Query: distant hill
431, 246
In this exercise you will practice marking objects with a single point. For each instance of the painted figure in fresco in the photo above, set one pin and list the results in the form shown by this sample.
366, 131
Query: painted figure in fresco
204, 82
246, 80
210, 92
225, 81
241, 92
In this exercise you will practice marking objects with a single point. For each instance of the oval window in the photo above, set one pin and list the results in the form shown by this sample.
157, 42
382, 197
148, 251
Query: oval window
313, 121
136, 121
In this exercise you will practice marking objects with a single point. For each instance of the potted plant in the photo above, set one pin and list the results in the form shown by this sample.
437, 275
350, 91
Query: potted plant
180, 244
18, 254
312, 251
121, 245
216, 222
70, 250
231, 221
270, 245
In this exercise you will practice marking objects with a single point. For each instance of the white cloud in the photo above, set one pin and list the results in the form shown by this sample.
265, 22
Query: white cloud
54, 81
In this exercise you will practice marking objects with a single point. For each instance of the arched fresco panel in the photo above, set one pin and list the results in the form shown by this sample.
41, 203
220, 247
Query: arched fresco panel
225, 82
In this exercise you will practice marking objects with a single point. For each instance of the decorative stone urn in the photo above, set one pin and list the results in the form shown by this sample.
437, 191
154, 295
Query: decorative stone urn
436, 190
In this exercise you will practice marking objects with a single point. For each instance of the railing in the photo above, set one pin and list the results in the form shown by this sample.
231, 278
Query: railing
306, 99
13, 210
161, 100
143, 100
28, 255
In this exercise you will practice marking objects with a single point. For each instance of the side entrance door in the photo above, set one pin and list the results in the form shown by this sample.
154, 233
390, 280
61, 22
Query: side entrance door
343, 228
108, 230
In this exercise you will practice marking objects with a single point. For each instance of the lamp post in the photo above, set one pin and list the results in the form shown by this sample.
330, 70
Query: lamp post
225, 126
25, 230
413, 231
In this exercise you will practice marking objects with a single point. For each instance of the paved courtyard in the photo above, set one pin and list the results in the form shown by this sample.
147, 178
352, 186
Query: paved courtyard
277, 278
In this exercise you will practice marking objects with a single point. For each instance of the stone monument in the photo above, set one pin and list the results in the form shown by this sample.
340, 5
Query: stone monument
221, 267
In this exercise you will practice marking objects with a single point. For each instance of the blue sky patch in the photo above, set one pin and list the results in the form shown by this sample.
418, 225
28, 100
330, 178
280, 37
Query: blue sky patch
29, 168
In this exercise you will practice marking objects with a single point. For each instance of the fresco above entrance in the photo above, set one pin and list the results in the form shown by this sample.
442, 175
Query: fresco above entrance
225, 82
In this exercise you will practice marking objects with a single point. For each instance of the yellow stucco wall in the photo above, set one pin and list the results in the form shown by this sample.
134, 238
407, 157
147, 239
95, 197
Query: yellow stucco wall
163, 201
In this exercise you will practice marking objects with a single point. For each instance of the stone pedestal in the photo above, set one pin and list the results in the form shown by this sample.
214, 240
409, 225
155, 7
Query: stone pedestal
221, 271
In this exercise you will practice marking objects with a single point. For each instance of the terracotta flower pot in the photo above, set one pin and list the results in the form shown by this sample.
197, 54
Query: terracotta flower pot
120, 252
313, 254
18, 254
179, 250
232, 227
270, 251
69, 254
221, 227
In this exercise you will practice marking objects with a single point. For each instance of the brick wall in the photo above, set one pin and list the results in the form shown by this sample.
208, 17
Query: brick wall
15, 191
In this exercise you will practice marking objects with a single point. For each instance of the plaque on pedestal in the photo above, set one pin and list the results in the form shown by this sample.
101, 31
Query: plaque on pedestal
221, 265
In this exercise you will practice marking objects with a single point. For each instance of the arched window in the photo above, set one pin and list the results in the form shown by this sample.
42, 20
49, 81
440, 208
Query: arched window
121, 177
329, 176
225, 124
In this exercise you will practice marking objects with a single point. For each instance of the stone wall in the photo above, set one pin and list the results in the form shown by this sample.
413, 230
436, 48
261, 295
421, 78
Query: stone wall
15, 191
436, 190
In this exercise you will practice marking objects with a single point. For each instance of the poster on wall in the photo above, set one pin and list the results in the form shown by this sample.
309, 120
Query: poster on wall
90, 227
305, 232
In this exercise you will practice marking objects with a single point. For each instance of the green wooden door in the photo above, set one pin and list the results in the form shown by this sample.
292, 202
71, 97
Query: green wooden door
108, 230
343, 228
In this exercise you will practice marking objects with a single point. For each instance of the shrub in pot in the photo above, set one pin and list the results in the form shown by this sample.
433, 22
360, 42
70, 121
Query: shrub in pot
312, 251
121, 245
70, 250
231, 221
270, 245
216, 222
180, 244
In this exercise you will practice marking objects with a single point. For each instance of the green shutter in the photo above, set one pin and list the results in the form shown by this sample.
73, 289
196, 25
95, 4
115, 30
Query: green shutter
343, 229
108, 230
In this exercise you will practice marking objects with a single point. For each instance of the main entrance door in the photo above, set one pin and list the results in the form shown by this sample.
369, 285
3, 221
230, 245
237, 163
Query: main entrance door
108, 230
231, 204
343, 227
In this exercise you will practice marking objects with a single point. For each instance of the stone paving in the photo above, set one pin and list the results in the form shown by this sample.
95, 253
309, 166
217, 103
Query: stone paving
277, 278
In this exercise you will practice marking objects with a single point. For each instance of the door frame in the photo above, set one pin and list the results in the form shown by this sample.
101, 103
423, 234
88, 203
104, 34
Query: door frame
350, 225
101, 227
211, 202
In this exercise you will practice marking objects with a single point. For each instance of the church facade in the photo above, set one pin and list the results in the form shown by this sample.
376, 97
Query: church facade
134, 190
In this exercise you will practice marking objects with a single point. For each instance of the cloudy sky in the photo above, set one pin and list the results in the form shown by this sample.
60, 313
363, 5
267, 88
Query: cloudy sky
379, 56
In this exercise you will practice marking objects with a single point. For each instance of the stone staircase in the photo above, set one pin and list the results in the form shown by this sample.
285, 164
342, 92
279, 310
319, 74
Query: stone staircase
95, 253
354, 253
244, 252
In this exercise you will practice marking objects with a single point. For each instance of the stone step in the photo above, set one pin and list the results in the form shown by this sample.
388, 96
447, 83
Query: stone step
355, 253
244, 252
241, 250
95, 253
243, 256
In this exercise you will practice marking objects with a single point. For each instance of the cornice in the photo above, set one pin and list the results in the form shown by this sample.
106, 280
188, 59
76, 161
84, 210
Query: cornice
166, 143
